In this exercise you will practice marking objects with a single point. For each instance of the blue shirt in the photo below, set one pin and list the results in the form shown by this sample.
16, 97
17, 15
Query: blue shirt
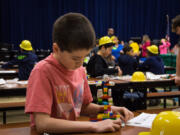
25, 62
116, 51
153, 64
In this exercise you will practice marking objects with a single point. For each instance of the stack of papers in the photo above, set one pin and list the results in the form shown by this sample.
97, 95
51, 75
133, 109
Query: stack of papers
142, 120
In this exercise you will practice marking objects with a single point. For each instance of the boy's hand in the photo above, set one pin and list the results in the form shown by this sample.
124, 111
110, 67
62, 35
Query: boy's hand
106, 126
119, 71
125, 113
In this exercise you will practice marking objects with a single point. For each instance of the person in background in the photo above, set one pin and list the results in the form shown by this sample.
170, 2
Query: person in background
97, 65
127, 61
175, 49
95, 49
164, 46
153, 63
58, 91
25, 60
176, 29
117, 48
110, 32
145, 43
135, 48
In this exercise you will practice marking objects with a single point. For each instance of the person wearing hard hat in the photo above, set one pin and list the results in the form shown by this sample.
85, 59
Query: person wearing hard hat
153, 64
176, 29
135, 48
25, 60
97, 65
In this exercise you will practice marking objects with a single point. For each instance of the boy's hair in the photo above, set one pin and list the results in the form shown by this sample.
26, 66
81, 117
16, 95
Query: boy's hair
127, 48
151, 54
175, 23
105, 46
73, 31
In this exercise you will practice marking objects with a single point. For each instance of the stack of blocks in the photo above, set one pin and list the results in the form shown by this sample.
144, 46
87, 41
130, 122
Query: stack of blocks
105, 99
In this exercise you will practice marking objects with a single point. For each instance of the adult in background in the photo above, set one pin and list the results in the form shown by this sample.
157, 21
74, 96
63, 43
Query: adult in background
110, 32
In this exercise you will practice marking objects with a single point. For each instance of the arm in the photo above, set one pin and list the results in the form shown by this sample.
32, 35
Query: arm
177, 78
10, 63
45, 123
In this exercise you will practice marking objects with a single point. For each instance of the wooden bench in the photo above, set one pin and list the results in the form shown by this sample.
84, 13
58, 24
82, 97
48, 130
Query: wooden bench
169, 94
10, 106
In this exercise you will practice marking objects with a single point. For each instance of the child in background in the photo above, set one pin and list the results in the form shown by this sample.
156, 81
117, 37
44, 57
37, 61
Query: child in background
58, 90
97, 65
153, 63
117, 48
127, 61
135, 48
25, 60
164, 47
146, 42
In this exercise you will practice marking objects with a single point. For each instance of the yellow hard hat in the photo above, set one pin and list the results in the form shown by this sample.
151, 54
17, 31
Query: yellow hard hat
112, 38
26, 45
135, 47
165, 123
138, 76
105, 40
153, 49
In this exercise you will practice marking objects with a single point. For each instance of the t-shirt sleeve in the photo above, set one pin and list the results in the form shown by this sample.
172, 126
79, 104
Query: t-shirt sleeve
39, 93
87, 92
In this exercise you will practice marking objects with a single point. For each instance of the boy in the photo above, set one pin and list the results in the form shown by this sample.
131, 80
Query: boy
58, 90
25, 60
176, 29
153, 62
97, 65
117, 48
127, 62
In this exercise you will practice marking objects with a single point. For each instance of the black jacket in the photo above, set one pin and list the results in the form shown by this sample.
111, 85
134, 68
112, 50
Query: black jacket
153, 64
128, 64
97, 66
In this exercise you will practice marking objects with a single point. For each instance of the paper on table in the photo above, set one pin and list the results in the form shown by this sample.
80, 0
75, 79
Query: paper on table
2, 81
7, 71
142, 120
22, 82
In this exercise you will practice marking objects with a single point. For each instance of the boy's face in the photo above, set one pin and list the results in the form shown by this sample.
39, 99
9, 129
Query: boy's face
107, 51
116, 40
70, 60
131, 52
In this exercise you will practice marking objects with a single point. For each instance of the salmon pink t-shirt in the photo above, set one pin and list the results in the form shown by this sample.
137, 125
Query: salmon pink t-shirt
54, 90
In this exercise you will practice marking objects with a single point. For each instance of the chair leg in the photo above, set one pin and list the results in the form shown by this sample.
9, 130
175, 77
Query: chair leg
4, 117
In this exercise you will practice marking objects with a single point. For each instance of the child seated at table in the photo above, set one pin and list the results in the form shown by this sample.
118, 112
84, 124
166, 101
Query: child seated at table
25, 60
58, 91
97, 65
127, 62
153, 64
